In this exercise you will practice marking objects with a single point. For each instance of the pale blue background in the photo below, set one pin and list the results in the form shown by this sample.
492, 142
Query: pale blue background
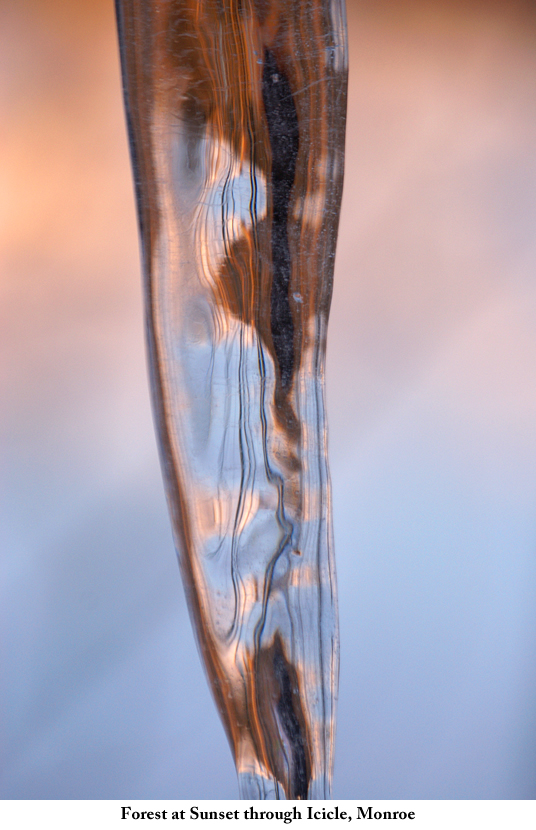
432, 404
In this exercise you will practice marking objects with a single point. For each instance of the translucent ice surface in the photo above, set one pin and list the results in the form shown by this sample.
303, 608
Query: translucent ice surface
236, 112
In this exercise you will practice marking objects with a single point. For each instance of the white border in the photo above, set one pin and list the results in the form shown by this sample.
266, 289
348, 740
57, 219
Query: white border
428, 815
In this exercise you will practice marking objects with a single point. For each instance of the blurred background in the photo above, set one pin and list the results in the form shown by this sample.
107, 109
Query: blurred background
432, 409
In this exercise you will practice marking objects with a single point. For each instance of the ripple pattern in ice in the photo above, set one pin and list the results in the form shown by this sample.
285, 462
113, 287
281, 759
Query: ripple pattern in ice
236, 112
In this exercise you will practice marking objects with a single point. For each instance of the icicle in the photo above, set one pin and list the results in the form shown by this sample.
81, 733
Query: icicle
236, 112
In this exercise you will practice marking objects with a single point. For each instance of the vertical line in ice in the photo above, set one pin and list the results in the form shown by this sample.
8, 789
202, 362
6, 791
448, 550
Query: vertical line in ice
236, 113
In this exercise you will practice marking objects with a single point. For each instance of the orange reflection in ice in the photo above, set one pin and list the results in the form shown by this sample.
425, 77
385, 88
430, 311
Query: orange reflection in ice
237, 123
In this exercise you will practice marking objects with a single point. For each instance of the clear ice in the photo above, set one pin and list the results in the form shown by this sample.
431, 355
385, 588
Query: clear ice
236, 112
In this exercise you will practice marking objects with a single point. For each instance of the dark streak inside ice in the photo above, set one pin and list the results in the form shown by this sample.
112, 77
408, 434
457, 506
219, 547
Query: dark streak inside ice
283, 133
291, 725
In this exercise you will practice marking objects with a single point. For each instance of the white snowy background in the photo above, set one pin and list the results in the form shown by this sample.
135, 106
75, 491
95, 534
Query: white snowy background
432, 409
